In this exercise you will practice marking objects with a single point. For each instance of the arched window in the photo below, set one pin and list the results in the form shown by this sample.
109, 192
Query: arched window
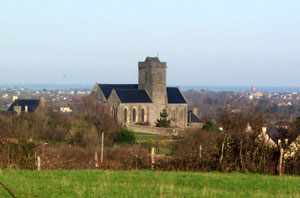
173, 115
113, 112
125, 115
134, 115
116, 113
143, 115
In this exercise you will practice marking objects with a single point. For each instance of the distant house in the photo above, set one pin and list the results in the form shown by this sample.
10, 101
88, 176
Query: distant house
194, 119
65, 110
25, 105
268, 137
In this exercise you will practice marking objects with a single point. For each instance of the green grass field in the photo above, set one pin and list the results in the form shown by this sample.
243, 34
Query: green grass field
61, 184
146, 136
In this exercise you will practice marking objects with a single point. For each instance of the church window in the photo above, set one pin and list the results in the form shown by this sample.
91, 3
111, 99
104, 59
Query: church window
134, 115
113, 112
125, 115
173, 115
143, 115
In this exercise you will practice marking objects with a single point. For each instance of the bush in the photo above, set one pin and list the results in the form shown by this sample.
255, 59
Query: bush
163, 121
125, 136
17, 154
210, 126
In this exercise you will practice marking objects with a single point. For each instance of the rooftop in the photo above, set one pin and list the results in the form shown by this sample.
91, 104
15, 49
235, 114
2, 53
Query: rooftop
133, 96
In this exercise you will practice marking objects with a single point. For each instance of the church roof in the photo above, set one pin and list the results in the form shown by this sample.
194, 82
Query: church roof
152, 59
133, 96
107, 88
31, 103
173, 93
175, 96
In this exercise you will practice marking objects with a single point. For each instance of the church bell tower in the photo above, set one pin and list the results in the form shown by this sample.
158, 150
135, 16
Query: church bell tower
152, 78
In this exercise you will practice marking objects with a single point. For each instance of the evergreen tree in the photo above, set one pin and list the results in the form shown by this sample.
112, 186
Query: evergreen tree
163, 121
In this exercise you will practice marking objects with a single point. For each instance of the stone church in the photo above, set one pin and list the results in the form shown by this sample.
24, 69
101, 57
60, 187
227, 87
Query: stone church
142, 103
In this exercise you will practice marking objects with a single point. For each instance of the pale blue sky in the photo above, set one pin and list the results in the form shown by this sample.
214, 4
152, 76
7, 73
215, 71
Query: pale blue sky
224, 42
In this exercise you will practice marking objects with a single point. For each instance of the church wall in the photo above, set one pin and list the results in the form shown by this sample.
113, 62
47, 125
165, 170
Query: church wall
155, 113
178, 114
114, 102
113, 99
98, 94
139, 107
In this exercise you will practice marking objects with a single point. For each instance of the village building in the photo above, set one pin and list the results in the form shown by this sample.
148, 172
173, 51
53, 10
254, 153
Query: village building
19, 106
194, 119
65, 110
142, 103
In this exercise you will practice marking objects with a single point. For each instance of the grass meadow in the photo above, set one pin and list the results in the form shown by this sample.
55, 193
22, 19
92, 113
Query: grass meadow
147, 136
142, 183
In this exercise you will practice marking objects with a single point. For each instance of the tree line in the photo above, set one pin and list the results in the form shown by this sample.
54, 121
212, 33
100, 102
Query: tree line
73, 141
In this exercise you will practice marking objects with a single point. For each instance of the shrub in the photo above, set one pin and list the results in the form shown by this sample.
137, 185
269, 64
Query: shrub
210, 126
125, 136
163, 121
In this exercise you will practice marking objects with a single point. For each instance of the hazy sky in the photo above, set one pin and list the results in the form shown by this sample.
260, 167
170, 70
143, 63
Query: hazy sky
212, 42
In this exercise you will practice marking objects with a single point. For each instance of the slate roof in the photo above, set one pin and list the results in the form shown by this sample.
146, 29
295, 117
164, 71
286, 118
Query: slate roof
175, 96
152, 59
192, 118
173, 93
133, 96
273, 134
277, 134
31, 103
107, 88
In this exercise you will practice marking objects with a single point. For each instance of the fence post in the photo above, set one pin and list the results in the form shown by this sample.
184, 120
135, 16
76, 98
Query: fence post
38, 163
280, 158
96, 160
283, 159
152, 158
102, 148
200, 151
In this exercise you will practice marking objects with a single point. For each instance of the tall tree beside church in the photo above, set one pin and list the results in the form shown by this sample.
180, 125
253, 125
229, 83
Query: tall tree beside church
163, 121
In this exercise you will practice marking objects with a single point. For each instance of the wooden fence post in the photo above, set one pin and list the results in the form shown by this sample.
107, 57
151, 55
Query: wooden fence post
38, 163
285, 147
102, 148
200, 151
152, 158
280, 158
96, 160
281, 162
